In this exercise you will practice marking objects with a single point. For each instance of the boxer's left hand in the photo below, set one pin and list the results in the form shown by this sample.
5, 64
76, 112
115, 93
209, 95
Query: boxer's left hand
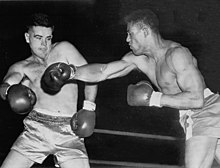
142, 94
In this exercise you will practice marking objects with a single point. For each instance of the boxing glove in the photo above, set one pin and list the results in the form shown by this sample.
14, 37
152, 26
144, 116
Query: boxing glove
21, 98
55, 76
83, 122
143, 94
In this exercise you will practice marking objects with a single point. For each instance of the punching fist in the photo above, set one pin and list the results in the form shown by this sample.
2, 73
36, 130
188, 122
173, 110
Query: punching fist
142, 94
55, 76
21, 98
83, 122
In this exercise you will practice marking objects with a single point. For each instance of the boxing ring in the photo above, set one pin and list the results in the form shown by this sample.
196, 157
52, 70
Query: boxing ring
125, 134
109, 163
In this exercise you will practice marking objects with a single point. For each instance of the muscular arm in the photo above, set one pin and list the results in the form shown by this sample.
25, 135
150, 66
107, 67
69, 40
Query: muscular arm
189, 80
99, 72
14, 75
74, 57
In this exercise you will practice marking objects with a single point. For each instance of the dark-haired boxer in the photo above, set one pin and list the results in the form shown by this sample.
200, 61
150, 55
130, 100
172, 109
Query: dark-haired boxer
173, 70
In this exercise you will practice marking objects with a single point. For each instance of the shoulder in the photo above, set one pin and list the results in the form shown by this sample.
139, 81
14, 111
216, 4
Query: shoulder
179, 57
17, 70
178, 51
18, 66
69, 52
131, 57
63, 45
128, 57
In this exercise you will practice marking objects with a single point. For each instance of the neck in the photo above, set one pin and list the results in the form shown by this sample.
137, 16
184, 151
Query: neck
39, 60
158, 47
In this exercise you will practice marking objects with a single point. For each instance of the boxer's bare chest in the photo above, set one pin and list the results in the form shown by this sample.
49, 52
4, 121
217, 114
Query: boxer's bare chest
160, 74
166, 77
35, 69
33, 72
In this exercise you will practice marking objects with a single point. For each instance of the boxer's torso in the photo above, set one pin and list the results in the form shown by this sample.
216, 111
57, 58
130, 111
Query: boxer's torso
64, 102
162, 73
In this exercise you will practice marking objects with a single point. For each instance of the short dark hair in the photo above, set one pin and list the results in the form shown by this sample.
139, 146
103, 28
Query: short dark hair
39, 19
143, 17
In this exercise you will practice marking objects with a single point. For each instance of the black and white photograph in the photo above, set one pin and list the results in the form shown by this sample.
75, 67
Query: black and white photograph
109, 84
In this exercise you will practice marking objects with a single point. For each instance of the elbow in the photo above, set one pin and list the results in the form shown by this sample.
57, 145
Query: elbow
101, 78
199, 103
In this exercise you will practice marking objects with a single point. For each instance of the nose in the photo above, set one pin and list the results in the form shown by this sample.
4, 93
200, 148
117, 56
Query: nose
128, 38
43, 42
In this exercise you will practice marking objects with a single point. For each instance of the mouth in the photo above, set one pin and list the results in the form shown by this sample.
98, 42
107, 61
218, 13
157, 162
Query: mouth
43, 49
131, 47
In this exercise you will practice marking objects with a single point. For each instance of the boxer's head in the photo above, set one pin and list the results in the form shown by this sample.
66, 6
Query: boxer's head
143, 18
39, 19
39, 34
141, 25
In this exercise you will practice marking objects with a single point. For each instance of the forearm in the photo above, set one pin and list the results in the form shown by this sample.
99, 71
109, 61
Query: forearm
123, 72
91, 92
101, 72
182, 101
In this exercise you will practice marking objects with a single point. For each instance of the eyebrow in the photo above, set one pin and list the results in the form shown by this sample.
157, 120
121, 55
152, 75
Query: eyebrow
37, 35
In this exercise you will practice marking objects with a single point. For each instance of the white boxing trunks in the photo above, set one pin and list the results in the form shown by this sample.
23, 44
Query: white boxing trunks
46, 134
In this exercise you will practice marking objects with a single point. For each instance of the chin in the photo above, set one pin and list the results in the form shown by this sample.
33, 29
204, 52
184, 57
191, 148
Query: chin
136, 52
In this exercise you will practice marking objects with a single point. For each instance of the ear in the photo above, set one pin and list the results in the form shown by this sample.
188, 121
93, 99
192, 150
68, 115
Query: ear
146, 31
27, 35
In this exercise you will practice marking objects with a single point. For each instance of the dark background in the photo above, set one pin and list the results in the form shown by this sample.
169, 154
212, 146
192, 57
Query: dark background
95, 28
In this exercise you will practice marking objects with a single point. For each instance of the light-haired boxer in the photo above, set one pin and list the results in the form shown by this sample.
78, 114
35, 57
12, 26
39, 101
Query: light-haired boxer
47, 124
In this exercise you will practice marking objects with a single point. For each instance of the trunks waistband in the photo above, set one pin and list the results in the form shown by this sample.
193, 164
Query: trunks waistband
207, 93
50, 113
37, 116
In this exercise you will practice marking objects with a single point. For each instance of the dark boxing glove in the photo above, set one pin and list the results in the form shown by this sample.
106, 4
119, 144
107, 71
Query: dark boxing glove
21, 98
83, 122
55, 76
142, 94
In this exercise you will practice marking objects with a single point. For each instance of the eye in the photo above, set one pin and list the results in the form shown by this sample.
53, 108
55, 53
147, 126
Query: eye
49, 38
38, 37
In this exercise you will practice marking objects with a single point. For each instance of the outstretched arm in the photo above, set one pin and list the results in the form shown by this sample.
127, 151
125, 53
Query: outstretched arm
58, 74
100, 72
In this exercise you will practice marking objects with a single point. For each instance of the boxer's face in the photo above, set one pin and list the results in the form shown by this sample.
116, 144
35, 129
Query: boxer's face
135, 38
40, 40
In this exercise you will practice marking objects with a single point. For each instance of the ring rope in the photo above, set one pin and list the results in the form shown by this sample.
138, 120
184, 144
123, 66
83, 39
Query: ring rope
132, 164
134, 134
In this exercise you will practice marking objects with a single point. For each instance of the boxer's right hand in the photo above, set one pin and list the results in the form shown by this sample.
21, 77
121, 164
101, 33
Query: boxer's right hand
21, 98
55, 76
83, 122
